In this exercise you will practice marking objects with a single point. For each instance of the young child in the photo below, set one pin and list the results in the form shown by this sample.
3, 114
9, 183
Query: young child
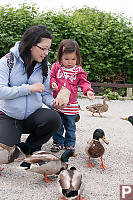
68, 74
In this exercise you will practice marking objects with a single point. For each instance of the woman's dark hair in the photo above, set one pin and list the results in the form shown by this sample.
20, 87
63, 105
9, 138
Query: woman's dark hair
31, 37
69, 46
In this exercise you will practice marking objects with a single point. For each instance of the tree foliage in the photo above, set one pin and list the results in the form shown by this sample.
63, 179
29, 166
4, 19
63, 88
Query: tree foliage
13, 23
105, 39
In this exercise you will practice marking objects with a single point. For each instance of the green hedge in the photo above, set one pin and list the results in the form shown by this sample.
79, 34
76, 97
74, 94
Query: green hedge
105, 39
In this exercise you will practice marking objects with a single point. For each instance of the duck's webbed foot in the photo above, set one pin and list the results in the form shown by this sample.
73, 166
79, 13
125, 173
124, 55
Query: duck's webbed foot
80, 198
47, 180
92, 114
100, 114
102, 165
1, 170
63, 198
90, 164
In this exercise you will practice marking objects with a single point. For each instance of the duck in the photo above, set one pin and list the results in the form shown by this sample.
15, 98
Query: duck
94, 148
77, 118
8, 154
70, 184
79, 107
98, 108
47, 163
78, 115
130, 119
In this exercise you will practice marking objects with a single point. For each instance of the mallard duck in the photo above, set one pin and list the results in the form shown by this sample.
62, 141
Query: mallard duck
47, 163
94, 147
130, 119
98, 108
8, 154
70, 184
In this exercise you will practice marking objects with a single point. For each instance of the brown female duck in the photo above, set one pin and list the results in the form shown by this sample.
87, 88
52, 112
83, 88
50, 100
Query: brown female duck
98, 108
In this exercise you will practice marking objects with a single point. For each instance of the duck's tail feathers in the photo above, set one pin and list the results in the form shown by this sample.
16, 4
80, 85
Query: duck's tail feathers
68, 193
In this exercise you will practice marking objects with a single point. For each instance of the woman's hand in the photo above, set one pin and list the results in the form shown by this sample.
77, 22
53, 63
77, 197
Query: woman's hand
90, 95
37, 87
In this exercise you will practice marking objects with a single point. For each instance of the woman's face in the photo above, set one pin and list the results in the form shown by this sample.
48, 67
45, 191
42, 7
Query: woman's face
41, 50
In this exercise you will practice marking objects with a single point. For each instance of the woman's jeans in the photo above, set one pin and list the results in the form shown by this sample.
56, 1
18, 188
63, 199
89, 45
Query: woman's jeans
68, 124
40, 127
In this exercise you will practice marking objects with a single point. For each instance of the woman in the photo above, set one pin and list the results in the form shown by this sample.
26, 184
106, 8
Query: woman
21, 104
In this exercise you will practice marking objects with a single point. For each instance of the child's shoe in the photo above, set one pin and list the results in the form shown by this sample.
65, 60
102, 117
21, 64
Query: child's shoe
70, 147
56, 147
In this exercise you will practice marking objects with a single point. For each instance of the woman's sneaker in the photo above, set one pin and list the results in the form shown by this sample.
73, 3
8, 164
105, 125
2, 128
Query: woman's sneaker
56, 147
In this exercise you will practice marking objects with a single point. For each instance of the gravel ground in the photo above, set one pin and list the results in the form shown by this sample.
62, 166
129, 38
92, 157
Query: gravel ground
18, 184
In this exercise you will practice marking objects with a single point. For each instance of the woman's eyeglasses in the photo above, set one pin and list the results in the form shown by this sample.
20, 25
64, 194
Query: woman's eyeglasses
44, 49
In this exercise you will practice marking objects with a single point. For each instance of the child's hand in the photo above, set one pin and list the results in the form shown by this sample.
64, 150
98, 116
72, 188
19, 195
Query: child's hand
54, 86
58, 104
62, 98
90, 95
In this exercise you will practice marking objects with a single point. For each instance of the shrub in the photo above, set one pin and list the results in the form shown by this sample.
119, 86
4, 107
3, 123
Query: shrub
105, 39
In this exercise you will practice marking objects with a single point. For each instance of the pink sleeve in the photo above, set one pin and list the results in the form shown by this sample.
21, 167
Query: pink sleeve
84, 83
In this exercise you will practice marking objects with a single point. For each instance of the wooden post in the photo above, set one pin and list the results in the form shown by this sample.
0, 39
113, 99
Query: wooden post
129, 92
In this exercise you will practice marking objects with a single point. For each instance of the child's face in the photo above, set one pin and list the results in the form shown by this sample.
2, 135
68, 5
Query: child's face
69, 60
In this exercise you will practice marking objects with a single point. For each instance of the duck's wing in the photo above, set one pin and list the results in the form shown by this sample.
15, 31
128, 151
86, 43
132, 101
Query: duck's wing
76, 180
64, 179
41, 156
97, 106
49, 168
88, 145
94, 107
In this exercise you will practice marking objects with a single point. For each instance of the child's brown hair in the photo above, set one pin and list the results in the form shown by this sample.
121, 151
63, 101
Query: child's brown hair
69, 46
